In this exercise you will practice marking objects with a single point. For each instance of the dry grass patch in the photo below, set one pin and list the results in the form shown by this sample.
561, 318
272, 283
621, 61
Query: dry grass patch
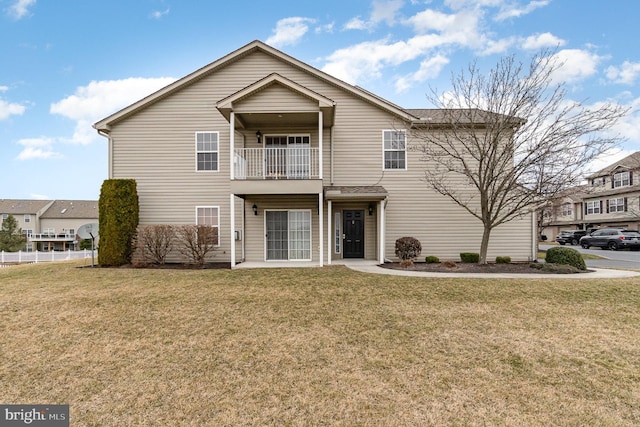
318, 347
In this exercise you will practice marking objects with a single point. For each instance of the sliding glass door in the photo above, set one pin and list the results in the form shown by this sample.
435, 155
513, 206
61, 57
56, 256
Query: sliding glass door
288, 235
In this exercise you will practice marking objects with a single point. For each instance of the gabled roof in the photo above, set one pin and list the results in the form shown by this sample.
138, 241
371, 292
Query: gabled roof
440, 116
104, 124
20, 207
78, 209
630, 162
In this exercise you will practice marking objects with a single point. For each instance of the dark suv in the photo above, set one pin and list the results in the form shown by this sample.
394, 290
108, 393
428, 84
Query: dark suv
612, 238
572, 237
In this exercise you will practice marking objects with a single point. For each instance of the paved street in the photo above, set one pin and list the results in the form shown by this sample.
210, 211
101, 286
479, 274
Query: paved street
614, 259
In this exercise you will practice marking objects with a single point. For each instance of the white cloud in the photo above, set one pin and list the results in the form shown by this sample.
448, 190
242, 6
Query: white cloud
9, 108
576, 64
497, 46
101, 98
355, 24
327, 28
385, 11
37, 148
539, 41
515, 11
20, 8
4, 88
157, 14
289, 31
39, 196
625, 74
429, 68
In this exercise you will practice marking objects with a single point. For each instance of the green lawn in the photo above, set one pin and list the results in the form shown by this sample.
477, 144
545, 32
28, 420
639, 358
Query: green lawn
128, 347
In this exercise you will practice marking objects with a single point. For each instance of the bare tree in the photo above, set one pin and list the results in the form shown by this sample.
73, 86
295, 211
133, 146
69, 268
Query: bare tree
154, 241
505, 142
196, 241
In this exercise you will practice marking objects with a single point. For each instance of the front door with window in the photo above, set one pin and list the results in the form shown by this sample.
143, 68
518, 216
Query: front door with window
353, 226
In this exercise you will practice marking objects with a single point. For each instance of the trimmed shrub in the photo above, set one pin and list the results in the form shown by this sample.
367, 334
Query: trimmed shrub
565, 256
555, 268
408, 248
470, 257
118, 220
432, 259
503, 260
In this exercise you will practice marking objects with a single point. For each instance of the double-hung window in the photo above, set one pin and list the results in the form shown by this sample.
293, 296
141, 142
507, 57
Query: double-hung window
394, 144
567, 209
207, 151
617, 205
209, 216
621, 179
593, 207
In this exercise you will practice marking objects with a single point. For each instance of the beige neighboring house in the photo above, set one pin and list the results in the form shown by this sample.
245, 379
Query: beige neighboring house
291, 165
50, 224
611, 198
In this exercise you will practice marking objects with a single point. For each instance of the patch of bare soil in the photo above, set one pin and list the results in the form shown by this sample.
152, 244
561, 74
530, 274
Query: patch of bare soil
513, 268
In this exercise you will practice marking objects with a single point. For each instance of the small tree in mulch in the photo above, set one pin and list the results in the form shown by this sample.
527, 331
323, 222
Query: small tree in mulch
407, 248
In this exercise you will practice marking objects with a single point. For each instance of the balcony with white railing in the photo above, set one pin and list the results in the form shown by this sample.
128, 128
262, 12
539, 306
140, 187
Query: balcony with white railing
277, 170
291, 163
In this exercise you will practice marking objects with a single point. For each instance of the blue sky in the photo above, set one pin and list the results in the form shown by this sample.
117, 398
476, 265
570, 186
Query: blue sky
66, 64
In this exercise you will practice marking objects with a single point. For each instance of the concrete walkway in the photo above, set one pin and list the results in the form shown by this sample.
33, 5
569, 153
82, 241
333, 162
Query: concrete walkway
598, 273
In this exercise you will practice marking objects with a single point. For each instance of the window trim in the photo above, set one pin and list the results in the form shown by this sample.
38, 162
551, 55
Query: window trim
620, 204
289, 259
216, 225
27, 218
385, 150
566, 209
595, 204
217, 151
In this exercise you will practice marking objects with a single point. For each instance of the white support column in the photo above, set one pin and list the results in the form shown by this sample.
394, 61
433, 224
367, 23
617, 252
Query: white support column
232, 219
381, 231
329, 232
320, 227
232, 144
320, 144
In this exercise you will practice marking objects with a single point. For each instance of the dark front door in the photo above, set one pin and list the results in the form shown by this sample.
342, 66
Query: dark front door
353, 234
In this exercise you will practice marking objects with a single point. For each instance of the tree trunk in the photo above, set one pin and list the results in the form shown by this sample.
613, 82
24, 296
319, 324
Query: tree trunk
484, 245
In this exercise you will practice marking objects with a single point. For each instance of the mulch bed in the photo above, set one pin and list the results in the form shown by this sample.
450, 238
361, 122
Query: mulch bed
517, 268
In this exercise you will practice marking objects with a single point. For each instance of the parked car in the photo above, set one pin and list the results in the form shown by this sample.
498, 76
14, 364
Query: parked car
572, 237
612, 238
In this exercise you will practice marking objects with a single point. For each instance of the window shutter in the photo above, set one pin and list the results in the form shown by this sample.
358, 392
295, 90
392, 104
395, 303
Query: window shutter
608, 201
586, 209
625, 204
600, 206
630, 178
612, 181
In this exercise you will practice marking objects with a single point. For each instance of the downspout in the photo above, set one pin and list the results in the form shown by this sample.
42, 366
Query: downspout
534, 238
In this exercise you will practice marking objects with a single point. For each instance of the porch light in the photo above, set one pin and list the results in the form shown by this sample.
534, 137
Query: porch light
370, 209
255, 209
259, 136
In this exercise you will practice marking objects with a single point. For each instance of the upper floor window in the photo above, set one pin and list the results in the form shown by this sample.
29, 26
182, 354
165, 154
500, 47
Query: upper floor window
27, 218
207, 151
210, 216
594, 207
598, 182
4, 216
566, 209
621, 179
618, 204
395, 149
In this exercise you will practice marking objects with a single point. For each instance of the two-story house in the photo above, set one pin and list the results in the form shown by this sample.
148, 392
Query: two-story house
50, 224
290, 164
610, 198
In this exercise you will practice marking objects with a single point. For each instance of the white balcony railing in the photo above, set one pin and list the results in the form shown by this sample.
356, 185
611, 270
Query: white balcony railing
277, 163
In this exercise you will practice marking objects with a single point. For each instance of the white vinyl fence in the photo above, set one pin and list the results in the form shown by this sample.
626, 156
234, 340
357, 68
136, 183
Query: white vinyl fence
21, 257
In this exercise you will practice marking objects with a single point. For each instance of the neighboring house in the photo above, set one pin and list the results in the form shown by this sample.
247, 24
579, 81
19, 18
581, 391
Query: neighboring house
611, 198
290, 164
50, 224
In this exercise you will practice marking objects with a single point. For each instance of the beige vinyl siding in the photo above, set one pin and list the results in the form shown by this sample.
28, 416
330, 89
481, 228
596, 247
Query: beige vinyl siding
255, 233
155, 147
276, 98
60, 224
